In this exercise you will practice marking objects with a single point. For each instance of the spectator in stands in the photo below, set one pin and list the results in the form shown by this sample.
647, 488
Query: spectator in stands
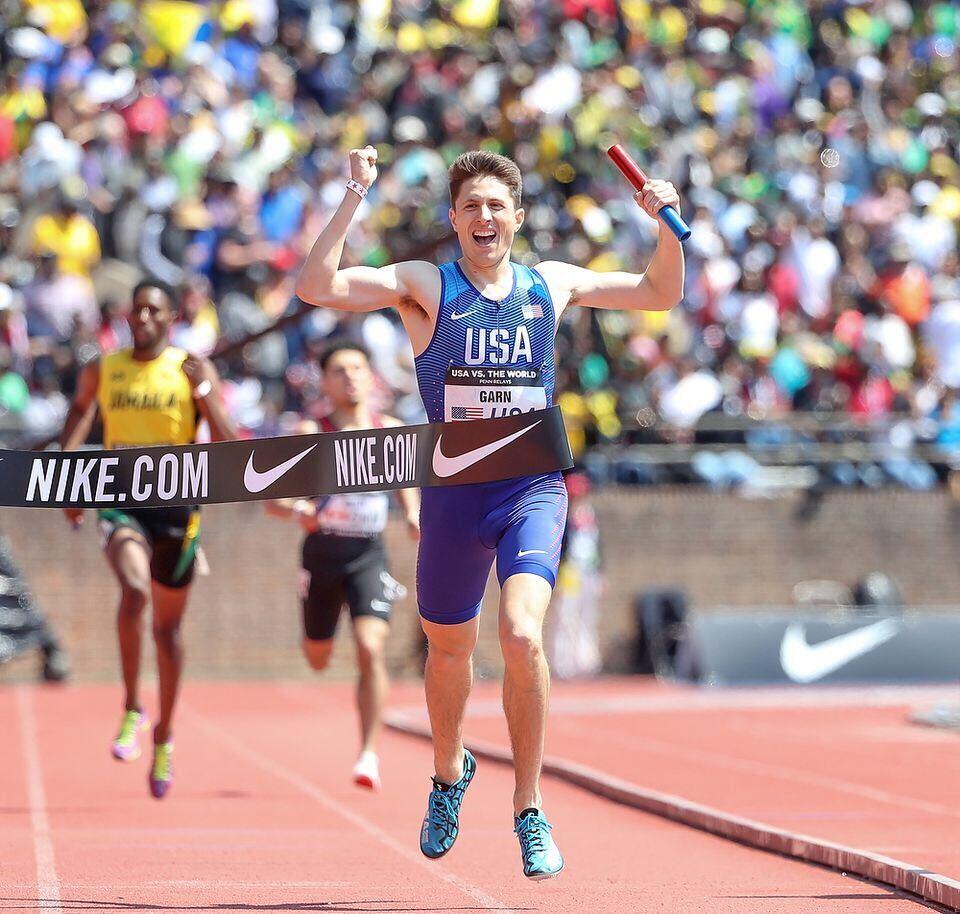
56, 301
14, 334
70, 235
197, 326
816, 143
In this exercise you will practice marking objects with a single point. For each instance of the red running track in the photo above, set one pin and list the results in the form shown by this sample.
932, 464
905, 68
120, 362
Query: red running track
844, 765
263, 817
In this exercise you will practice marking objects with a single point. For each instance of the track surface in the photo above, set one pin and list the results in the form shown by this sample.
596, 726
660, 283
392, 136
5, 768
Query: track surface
263, 817
844, 765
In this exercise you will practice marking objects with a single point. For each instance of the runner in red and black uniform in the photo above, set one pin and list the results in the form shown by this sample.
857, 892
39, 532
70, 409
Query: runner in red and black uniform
343, 557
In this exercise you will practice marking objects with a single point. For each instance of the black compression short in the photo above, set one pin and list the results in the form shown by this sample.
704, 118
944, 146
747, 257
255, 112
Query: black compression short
344, 569
173, 535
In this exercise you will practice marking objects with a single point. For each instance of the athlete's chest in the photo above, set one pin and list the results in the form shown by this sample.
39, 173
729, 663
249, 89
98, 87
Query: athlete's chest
516, 331
155, 387
168, 378
500, 355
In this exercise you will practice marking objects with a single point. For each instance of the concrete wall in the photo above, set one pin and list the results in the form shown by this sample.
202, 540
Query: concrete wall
244, 620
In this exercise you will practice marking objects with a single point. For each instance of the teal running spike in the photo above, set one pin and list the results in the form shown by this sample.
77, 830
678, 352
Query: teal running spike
541, 859
441, 824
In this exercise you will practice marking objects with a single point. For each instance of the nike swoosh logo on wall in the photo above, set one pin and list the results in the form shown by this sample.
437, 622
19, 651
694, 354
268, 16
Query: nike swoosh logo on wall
804, 662
445, 466
257, 482
456, 317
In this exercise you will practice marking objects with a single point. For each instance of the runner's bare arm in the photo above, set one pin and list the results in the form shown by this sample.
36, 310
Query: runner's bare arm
409, 499
658, 289
83, 409
205, 382
322, 282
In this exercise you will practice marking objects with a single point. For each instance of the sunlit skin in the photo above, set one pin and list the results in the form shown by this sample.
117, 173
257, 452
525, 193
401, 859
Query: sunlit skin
486, 220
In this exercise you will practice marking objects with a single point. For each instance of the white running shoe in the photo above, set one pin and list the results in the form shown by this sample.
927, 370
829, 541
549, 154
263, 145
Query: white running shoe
366, 773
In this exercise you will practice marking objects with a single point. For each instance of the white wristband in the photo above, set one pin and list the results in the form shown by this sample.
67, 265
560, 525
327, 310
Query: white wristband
202, 389
357, 188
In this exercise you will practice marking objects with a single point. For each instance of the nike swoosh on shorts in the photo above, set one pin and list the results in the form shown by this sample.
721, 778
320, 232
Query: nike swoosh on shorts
804, 662
445, 466
257, 482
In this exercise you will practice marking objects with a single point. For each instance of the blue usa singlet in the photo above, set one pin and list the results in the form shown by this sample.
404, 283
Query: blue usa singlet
487, 359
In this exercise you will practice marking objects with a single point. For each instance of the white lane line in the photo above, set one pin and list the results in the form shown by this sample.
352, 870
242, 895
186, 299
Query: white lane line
48, 883
275, 885
731, 763
276, 770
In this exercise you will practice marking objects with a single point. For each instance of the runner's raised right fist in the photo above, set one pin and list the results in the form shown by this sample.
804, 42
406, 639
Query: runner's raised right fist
363, 165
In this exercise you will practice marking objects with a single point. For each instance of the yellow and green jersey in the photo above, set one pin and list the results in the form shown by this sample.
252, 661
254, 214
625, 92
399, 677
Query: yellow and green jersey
146, 403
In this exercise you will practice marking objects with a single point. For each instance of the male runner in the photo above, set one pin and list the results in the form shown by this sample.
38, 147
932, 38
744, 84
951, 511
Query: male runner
150, 394
343, 556
484, 311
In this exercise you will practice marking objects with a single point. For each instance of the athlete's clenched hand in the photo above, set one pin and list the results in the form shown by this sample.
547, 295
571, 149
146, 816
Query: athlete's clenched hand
656, 195
363, 165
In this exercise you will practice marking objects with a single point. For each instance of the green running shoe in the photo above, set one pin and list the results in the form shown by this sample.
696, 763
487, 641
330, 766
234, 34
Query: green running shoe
161, 771
126, 747
441, 824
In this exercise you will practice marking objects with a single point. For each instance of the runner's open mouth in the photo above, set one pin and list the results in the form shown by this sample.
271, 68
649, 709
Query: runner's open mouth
485, 237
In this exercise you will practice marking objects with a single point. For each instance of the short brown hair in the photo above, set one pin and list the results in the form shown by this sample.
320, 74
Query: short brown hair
480, 164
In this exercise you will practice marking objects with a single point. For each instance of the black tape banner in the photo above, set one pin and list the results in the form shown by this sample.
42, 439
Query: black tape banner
438, 454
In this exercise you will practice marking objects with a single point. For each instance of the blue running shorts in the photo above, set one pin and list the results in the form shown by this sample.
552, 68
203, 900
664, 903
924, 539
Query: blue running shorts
519, 522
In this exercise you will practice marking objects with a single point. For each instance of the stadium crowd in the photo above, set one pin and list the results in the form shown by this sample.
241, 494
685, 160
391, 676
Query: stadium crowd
815, 146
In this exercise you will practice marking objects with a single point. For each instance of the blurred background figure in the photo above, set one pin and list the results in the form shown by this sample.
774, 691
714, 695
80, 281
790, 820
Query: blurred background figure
344, 562
575, 610
22, 624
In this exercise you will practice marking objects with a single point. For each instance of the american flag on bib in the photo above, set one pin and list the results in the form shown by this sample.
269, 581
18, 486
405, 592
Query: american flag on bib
457, 413
531, 309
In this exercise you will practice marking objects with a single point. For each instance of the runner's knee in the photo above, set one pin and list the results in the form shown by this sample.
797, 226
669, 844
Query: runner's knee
166, 634
369, 652
134, 596
521, 635
450, 650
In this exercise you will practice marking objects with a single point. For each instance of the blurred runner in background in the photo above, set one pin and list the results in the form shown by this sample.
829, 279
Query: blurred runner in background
343, 556
150, 394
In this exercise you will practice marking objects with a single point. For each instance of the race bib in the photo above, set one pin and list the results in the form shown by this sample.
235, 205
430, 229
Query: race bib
361, 514
488, 393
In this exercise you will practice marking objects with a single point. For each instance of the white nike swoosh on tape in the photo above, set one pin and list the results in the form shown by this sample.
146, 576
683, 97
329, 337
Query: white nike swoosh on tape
257, 482
804, 662
445, 466
524, 552
456, 317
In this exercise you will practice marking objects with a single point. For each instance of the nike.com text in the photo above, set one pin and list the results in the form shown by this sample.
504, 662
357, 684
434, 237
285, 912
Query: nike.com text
83, 479
365, 461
